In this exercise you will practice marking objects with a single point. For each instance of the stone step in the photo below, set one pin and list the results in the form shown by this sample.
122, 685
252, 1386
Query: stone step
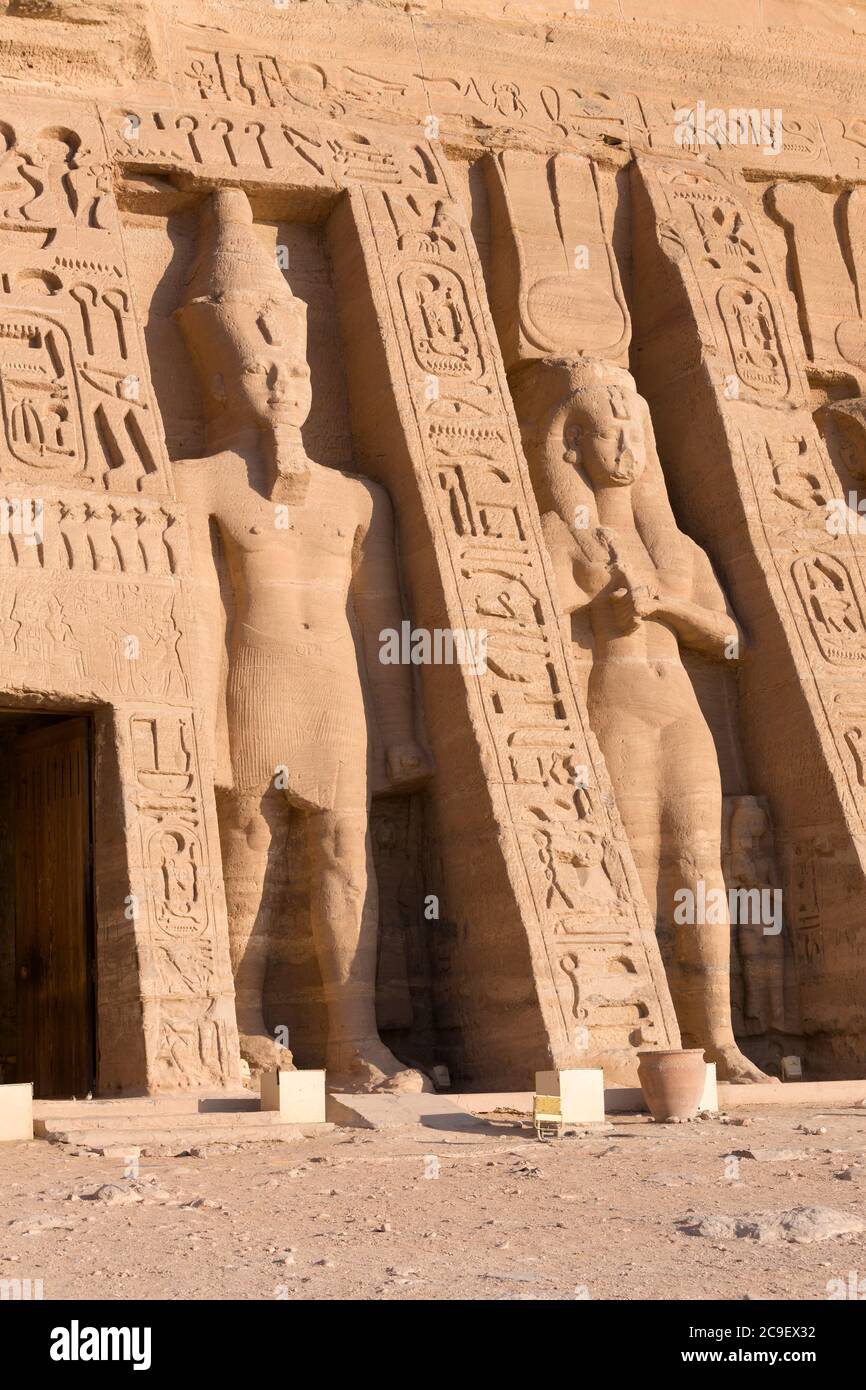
47, 1126
389, 1110
186, 1103
181, 1136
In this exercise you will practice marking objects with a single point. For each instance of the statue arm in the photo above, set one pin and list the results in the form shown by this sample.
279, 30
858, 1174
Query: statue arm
570, 566
706, 630
702, 619
377, 604
580, 554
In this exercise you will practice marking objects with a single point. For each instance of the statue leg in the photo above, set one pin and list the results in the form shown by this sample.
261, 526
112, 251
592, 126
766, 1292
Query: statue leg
691, 837
669, 795
344, 907
776, 984
631, 749
764, 969
252, 831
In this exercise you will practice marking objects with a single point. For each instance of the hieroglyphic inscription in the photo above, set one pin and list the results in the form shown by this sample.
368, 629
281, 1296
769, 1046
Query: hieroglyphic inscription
74, 390
188, 1022
269, 147
92, 637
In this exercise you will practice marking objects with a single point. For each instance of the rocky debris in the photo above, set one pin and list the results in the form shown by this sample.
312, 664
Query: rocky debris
38, 1225
524, 1169
799, 1225
126, 1191
114, 1193
183, 1149
199, 1151
766, 1155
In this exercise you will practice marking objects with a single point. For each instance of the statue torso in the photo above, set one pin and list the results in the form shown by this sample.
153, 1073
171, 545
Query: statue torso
290, 565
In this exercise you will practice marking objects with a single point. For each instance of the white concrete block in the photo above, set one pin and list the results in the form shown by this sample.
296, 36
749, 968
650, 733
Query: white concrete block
709, 1101
580, 1091
16, 1111
298, 1095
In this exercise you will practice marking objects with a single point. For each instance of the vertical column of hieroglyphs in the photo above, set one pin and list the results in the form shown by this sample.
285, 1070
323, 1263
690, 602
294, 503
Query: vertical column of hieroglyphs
92, 554
529, 839
721, 361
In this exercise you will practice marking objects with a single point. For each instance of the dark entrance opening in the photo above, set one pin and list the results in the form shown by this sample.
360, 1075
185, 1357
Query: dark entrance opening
47, 1030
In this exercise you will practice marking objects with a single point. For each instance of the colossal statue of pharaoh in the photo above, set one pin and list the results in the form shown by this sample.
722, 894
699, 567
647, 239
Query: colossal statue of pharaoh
648, 589
310, 557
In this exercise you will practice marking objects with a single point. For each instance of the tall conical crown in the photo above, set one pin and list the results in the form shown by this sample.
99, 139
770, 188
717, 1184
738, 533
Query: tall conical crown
232, 264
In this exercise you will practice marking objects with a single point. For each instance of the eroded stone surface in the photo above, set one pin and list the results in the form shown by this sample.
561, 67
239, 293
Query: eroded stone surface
431, 471
800, 1225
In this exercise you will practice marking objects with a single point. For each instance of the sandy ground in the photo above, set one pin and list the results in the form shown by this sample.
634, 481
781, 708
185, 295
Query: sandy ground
427, 1214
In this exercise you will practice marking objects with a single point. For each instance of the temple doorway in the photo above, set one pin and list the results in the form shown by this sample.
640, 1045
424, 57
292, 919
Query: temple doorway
47, 1029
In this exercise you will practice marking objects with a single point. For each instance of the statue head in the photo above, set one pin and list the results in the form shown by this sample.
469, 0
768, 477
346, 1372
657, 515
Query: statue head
246, 331
749, 823
605, 427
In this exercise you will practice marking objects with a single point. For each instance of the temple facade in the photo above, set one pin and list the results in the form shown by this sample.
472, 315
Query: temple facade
432, 603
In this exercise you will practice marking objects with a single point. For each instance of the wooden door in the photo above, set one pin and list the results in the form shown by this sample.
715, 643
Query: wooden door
53, 940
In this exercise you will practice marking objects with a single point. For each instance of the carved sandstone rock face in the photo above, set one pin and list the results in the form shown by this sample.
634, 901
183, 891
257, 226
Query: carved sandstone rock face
480, 337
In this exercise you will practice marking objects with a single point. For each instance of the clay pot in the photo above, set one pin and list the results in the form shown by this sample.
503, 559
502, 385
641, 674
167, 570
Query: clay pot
672, 1082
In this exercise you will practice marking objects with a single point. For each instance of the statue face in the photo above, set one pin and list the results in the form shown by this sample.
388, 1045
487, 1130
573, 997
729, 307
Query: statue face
273, 379
254, 361
751, 827
611, 437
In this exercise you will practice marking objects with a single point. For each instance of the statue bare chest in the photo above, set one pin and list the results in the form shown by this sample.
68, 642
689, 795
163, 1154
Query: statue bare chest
281, 545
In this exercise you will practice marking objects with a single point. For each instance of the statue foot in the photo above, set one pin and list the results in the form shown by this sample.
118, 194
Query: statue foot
262, 1053
731, 1065
371, 1066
